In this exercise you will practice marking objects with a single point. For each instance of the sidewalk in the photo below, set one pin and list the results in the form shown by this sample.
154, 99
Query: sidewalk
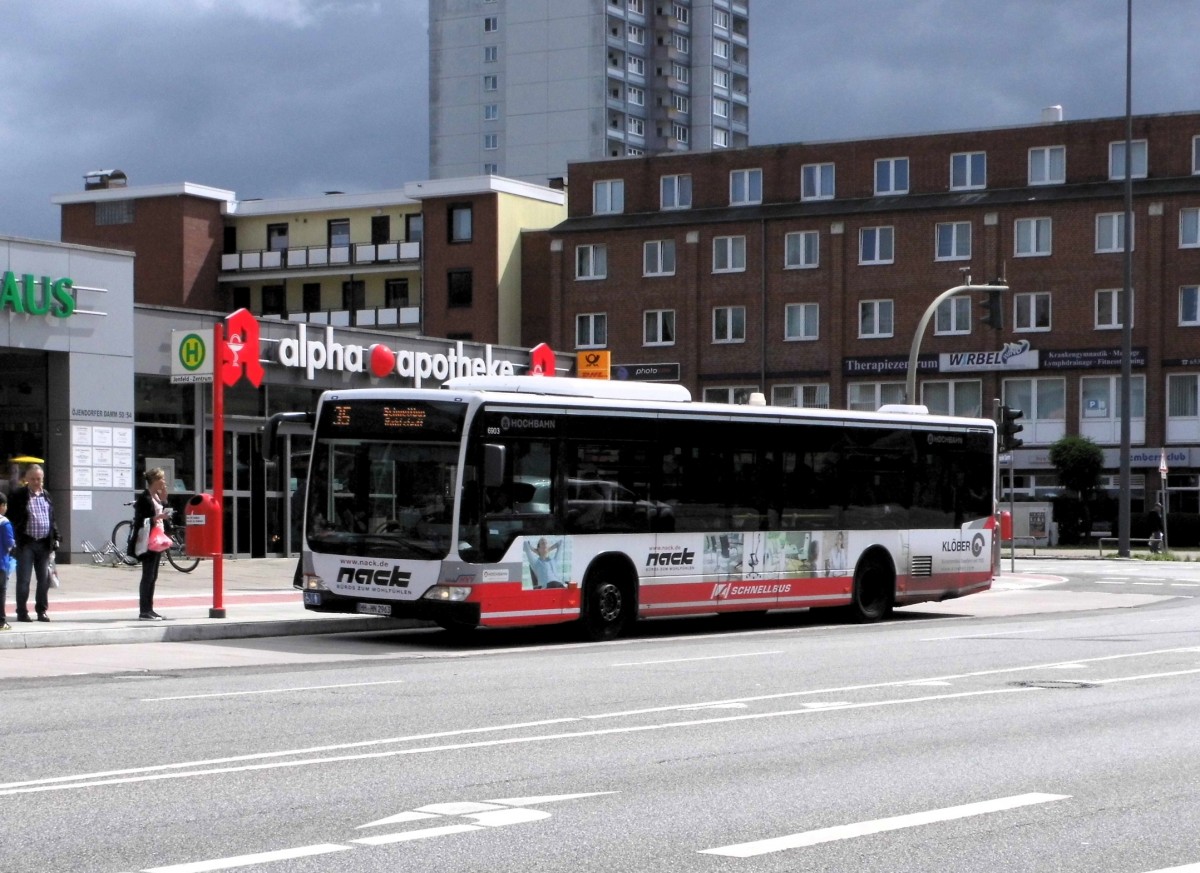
99, 604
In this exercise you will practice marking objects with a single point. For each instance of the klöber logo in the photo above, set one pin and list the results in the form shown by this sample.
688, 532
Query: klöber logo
380, 361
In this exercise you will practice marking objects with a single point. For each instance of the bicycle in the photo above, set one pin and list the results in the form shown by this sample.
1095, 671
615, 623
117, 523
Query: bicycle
176, 554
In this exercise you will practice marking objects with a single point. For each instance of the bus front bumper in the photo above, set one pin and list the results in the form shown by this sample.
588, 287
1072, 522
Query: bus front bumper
441, 612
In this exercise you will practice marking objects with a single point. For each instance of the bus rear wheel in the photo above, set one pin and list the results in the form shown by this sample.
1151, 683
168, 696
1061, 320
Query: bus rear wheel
874, 589
607, 607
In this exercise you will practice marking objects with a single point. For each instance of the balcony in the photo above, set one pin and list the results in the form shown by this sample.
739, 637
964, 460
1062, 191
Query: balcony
379, 316
310, 257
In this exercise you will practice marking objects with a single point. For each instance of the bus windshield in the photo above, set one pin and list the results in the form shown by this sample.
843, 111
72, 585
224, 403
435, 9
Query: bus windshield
382, 479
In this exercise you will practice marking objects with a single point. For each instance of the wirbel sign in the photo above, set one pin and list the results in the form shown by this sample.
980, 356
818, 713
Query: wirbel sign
29, 295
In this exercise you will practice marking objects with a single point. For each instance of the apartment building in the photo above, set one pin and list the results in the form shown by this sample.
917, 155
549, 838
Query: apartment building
521, 89
802, 271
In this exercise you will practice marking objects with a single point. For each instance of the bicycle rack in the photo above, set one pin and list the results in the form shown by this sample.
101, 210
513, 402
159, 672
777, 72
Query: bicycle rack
104, 555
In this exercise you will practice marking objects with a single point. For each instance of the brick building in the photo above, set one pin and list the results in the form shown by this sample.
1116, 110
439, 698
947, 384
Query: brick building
802, 271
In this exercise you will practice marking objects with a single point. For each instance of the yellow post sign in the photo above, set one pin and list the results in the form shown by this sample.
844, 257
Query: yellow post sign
593, 365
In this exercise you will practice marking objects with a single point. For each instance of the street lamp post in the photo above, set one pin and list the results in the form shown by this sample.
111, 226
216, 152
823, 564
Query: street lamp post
910, 388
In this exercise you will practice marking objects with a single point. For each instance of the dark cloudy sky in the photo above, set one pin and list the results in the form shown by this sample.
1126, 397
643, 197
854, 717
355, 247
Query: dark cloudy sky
272, 98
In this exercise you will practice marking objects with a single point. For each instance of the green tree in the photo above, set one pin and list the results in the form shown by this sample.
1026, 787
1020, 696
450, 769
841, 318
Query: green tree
1079, 462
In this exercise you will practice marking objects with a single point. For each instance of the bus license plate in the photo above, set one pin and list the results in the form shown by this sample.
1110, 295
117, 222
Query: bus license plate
375, 608
312, 598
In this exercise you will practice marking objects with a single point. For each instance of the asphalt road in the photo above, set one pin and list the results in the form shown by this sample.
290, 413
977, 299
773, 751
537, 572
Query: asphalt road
1052, 740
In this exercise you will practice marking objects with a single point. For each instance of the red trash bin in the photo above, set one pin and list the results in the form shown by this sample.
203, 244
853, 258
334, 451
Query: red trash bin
1005, 525
202, 517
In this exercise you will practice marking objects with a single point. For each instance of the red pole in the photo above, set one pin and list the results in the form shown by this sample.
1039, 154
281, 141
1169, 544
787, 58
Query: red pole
218, 467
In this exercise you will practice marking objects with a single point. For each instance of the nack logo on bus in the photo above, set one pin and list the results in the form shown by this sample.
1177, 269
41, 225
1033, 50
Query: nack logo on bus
393, 578
682, 558
311, 355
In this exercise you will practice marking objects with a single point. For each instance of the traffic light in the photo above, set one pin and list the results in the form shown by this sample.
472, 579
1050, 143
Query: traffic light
1009, 429
993, 310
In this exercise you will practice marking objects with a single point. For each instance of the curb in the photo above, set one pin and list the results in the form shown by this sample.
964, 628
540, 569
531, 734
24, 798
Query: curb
190, 632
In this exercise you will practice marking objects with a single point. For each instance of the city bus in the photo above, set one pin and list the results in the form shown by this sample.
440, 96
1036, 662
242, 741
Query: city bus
515, 501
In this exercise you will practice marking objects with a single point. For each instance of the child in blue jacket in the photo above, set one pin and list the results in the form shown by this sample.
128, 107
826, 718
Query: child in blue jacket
8, 564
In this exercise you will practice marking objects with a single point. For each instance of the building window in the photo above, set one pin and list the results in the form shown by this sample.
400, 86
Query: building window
953, 316
491, 169
490, 54
1100, 401
635, 34
1032, 237
875, 245
721, 49
459, 289
338, 232
277, 237
682, 44
721, 79
1183, 408
1116, 160
1043, 403
658, 327
608, 196
1110, 232
395, 293
635, 96
381, 229
110, 212
679, 133
801, 250
491, 83
414, 228
720, 107
953, 397
968, 171
1195, 155
658, 258
729, 324
274, 300
310, 296
354, 295
681, 104
460, 215
720, 19
801, 321
891, 176
1189, 228
491, 111
814, 396
491, 141
720, 138
1189, 306
635, 125
869, 396
638, 7
1108, 308
636, 65
729, 254
681, 13
681, 73
633, 152
1031, 311
591, 262
816, 182
953, 241
1048, 165
591, 330
676, 192
745, 187
874, 319
732, 396
491, 24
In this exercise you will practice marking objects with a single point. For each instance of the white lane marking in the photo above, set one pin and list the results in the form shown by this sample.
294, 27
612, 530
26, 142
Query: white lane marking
1067, 667
928, 683
1186, 868
689, 660
1032, 630
1145, 676
272, 691
399, 818
57, 785
423, 834
248, 860
846, 832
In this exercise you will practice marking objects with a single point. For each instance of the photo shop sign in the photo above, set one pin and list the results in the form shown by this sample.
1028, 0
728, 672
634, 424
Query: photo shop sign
317, 350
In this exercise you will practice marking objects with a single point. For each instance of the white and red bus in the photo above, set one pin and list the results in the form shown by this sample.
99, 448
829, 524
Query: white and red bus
527, 500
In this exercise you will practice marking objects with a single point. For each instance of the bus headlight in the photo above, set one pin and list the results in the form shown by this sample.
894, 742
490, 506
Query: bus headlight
448, 593
314, 583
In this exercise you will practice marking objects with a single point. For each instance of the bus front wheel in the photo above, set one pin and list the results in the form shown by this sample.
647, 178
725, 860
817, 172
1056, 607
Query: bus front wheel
874, 589
608, 606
